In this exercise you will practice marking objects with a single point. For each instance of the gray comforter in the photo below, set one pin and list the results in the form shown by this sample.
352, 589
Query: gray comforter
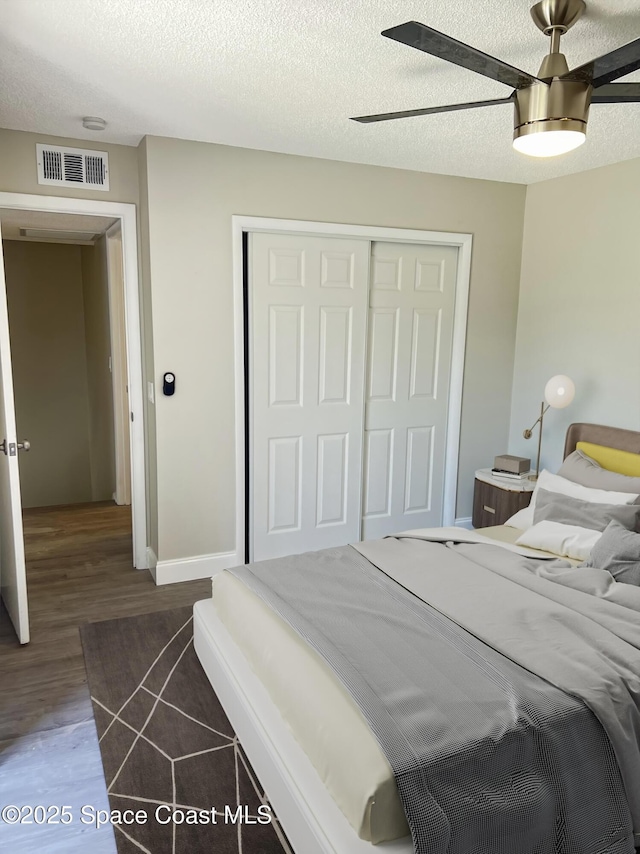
446, 661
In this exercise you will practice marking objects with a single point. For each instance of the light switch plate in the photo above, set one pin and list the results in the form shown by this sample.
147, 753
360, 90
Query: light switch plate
151, 392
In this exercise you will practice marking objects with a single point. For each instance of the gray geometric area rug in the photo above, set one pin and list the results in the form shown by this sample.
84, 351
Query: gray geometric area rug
167, 746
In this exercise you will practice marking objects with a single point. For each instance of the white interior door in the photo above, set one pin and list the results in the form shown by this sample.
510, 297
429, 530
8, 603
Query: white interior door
13, 577
308, 310
411, 299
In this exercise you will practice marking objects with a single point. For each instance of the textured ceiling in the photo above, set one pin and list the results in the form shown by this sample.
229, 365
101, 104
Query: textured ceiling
285, 76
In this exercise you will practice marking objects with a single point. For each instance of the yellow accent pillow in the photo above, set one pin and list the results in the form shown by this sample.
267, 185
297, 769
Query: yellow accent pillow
612, 459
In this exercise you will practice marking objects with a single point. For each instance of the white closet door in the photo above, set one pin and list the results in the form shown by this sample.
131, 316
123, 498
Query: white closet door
308, 316
411, 299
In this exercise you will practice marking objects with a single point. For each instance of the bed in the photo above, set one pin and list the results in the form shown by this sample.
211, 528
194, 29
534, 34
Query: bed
331, 785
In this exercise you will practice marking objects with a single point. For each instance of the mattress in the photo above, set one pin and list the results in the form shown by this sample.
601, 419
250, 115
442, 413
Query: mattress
318, 710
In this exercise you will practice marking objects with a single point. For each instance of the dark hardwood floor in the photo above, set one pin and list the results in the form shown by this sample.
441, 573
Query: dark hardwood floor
79, 569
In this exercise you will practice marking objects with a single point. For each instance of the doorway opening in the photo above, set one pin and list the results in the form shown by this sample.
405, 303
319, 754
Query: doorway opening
66, 322
72, 297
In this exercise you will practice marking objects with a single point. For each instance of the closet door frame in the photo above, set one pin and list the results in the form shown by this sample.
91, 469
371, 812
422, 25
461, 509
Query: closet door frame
242, 225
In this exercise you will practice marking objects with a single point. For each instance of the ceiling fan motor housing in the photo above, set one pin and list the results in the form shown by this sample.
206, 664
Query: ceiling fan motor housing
555, 104
558, 105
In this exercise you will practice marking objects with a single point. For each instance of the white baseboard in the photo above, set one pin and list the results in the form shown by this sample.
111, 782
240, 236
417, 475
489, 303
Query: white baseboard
464, 523
152, 560
190, 568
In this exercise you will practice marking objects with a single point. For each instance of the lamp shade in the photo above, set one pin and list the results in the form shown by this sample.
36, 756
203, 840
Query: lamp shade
559, 391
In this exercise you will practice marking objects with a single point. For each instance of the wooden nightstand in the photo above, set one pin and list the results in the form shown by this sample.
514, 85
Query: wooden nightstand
496, 499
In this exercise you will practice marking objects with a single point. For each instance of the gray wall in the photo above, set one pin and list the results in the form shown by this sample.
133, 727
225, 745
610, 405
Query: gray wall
46, 326
60, 347
18, 172
187, 194
579, 310
191, 192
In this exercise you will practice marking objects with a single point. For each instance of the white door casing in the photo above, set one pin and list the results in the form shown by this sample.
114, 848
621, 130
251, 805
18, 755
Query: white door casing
308, 309
13, 578
243, 225
126, 214
118, 338
411, 315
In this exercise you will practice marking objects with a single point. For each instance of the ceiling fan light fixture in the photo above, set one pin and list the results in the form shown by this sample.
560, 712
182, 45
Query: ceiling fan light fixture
551, 110
546, 139
551, 119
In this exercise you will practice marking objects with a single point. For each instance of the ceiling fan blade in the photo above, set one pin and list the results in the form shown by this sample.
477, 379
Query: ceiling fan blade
437, 44
617, 93
609, 67
427, 111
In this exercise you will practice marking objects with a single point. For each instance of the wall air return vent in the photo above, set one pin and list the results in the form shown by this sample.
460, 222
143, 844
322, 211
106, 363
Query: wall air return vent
72, 167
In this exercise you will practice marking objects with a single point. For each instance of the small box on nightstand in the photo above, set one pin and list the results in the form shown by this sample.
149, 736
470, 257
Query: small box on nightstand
515, 465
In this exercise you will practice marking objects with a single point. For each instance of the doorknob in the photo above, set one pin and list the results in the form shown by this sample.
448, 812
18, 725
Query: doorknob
12, 448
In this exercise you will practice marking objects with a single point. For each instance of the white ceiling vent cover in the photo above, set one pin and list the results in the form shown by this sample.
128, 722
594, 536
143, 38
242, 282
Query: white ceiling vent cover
72, 167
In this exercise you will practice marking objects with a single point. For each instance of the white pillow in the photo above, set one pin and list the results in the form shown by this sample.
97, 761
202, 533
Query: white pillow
554, 483
566, 540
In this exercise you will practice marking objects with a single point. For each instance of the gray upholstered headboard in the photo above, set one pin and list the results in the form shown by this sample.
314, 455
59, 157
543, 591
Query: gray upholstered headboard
598, 434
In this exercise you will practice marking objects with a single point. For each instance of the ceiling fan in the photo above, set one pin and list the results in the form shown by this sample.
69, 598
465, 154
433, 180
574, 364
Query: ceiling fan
552, 108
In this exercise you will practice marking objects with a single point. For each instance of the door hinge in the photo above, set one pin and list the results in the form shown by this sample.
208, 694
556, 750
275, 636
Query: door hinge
132, 416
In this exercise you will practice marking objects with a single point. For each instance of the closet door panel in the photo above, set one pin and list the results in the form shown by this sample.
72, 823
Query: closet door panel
408, 371
307, 331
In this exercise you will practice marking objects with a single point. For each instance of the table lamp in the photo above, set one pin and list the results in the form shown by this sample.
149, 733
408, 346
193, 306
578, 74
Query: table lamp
558, 393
